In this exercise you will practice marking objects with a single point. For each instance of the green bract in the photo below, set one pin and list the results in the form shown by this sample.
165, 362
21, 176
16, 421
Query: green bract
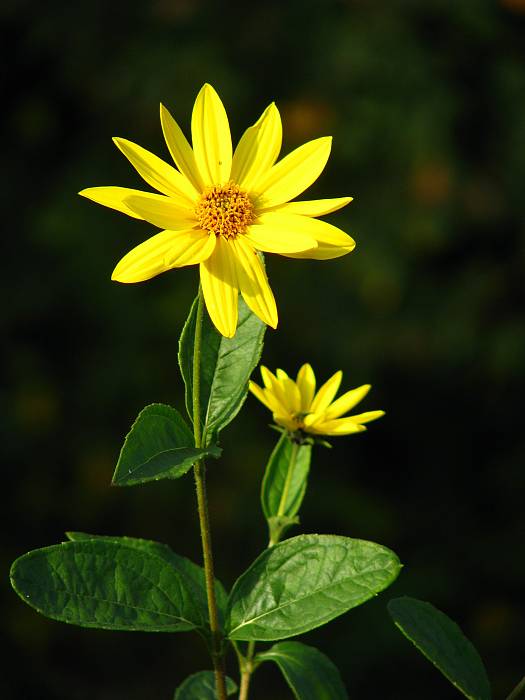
225, 367
443, 643
309, 673
159, 445
305, 582
282, 493
201, 686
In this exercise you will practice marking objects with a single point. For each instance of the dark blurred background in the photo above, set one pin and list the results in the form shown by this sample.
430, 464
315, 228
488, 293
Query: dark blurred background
426, 103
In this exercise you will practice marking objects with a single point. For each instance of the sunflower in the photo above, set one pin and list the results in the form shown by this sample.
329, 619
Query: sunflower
298, 408
217, 209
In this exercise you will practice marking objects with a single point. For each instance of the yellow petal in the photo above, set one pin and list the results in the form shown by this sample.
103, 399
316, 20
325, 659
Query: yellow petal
326, 393
265, 397
162, 211
306, 383
191, 248
313, 207
281, 374
220, 287
112, 197
293, 174
279, 233
156, 172
312, 419
258, 148
212, 143
267, 377
331, 241
341, 426
253, 282
366, 417
273, 386
347, 401
180, 149
292, 393
148, 259
259, 393
286, 421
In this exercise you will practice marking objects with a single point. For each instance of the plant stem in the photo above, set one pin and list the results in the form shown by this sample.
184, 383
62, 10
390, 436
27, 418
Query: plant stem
246, 672
288, 482
246, 663
204, 518
517, 690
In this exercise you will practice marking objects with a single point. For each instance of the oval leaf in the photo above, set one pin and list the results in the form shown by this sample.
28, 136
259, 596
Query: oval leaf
159, 445
108, 585
194, 574
443, 643
309, 673
226, 365
201, 686
305, 582
275, 478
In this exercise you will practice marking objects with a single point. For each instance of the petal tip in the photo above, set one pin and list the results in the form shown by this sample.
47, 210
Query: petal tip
118, 141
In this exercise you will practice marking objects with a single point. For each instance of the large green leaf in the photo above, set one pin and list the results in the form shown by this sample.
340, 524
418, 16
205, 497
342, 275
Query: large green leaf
274, 500
107, 584
226, 365
194, 574
305, 582
201, 686
443, 643
159, 445
309, 673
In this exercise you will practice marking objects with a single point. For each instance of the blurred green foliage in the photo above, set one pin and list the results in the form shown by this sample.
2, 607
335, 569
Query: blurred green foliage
425, 101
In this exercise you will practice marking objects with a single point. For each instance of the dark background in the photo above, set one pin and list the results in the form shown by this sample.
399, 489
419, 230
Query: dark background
426, 102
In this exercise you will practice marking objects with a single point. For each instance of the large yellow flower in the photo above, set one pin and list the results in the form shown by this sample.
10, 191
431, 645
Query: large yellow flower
218, 209
296, 406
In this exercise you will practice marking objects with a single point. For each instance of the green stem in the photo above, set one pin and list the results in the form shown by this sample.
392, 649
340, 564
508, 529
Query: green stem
288, 482
517, 690
204, 518
246, 664
246, 671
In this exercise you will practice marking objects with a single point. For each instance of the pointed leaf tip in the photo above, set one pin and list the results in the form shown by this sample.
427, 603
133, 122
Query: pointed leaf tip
160, 445
443, 643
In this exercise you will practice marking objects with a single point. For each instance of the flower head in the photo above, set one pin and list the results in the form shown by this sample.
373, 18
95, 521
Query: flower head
218, 208
297, 407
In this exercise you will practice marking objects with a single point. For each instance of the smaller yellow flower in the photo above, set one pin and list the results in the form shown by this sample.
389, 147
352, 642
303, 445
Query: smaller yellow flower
297, 407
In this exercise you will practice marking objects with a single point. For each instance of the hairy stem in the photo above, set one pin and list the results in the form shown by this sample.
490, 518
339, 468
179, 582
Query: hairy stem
204, 518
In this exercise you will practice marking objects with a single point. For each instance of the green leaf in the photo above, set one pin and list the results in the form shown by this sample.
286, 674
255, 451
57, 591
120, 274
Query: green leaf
305, 582
159, 445
108, 585
194, 574
226, 365
443, 643
276, 498
309, 673
201, 686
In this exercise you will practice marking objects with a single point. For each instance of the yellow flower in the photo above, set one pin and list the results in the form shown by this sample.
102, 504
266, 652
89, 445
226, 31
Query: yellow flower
219, 208
296, 406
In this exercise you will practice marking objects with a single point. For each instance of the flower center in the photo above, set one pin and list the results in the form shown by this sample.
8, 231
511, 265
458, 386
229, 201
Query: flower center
224, 210
299, 419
